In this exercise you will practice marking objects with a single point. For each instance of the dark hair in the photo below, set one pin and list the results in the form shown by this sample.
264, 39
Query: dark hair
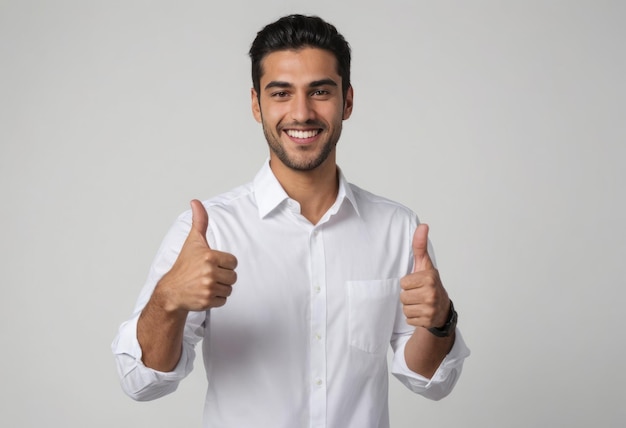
296, 32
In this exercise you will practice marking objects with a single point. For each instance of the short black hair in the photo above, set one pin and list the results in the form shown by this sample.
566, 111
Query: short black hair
296, 32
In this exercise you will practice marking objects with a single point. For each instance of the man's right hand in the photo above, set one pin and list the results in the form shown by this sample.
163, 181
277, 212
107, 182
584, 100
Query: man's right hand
201, 278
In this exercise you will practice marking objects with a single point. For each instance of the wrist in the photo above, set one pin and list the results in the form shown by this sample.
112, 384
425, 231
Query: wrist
164, 298
448, 328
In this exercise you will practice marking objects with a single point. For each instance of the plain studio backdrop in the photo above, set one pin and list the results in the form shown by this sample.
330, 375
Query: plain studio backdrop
502, 124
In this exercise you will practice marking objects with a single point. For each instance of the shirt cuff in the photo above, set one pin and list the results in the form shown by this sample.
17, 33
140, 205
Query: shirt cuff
444, 379
138, 381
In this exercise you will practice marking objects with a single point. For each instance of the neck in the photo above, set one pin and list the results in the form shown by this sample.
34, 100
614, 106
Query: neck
315, 190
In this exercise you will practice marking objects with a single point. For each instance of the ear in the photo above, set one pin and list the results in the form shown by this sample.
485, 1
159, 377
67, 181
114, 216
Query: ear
256, 107
347, 104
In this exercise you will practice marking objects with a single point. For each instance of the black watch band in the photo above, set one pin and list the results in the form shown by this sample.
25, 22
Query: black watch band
449, 326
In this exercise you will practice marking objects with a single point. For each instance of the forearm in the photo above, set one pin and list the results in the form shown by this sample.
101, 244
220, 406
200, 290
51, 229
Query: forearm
160, 331
424, 351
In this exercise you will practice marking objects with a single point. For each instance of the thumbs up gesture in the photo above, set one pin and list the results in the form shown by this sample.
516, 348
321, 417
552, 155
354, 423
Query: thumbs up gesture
201, 278
425, 301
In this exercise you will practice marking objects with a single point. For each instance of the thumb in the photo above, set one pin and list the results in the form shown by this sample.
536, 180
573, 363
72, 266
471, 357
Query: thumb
420, 249
199, 219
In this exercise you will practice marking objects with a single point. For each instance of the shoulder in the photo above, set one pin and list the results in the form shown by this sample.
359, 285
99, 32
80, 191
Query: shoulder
369, 202
229, 201
232, 198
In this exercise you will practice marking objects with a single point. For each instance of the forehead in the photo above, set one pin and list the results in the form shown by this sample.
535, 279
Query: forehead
306, 64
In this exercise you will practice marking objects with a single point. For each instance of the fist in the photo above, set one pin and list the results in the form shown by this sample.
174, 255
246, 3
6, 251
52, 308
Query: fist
201, 278
425, 301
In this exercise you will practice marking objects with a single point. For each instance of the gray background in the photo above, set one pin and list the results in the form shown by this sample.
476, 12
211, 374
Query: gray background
500, 123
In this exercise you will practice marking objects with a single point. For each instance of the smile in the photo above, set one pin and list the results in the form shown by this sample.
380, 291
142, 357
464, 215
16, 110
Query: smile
295, 133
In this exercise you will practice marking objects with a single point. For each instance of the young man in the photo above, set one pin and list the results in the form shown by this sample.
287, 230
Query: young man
298, 281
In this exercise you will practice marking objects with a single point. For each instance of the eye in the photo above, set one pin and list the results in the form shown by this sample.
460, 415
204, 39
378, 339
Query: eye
279, 94
321, 93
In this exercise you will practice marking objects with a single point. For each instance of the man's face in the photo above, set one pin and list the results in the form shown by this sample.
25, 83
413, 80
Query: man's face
301, 106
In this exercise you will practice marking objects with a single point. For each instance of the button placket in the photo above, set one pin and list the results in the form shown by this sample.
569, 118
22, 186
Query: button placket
317, 343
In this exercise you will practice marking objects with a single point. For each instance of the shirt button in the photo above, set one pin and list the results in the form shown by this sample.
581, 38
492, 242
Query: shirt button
318, 382
318, 336
317, 289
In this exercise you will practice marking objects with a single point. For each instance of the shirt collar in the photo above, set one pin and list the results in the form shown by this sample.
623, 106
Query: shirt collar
269, 194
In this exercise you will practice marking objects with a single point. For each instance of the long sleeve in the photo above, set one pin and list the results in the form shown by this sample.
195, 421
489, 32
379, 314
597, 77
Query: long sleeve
138, 381
449, 371
444, 379
143, 383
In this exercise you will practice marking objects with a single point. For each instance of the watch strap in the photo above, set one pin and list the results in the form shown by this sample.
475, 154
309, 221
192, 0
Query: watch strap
449, 326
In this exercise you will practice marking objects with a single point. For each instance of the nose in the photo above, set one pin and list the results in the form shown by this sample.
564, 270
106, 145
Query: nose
302, 109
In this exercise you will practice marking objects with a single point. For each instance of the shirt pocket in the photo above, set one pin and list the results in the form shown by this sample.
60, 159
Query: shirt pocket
372, 308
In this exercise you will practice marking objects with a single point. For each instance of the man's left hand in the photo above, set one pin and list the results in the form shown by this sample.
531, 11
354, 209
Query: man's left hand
425, 301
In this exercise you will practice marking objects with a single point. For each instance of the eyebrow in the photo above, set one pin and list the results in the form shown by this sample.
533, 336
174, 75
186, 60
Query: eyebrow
313, 84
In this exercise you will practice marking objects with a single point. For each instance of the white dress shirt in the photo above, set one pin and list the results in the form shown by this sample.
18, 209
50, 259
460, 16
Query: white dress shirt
303, 339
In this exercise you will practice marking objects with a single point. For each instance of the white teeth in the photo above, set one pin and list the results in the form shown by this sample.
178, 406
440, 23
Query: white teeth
302, 134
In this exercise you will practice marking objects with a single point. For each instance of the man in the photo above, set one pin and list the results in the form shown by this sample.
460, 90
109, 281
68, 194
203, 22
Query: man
298, 281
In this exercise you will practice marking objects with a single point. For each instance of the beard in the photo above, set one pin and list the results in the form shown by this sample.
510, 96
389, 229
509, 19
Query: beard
308, 159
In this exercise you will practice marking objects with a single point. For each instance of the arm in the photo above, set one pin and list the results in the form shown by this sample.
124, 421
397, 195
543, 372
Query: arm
200, 279
426, 363
426, 305
162, 327
424, 352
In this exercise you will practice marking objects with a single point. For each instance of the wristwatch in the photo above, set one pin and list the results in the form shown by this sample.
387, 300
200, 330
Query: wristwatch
449, 326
